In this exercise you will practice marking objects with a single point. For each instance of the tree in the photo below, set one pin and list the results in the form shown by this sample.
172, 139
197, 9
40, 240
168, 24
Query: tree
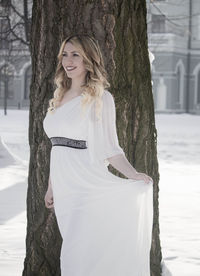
120, 27
15, 20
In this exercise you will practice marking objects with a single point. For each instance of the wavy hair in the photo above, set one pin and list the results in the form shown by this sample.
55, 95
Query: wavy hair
95, 79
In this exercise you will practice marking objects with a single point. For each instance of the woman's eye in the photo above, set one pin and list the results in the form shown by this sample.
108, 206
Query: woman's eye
73, 54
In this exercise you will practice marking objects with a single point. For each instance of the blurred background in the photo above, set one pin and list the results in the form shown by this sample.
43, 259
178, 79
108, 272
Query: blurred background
174, 45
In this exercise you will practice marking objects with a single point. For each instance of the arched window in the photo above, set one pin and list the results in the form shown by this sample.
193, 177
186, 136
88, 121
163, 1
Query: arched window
2, 88
6, 82
27, 80
198, 88
178, 94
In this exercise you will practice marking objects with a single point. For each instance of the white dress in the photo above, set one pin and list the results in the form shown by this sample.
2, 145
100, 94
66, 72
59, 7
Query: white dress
105, 221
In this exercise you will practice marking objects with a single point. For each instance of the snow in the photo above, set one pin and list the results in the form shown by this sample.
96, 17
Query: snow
179, 195
14, 156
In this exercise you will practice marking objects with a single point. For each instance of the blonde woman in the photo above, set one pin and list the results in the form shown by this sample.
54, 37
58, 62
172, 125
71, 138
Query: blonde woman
105, 221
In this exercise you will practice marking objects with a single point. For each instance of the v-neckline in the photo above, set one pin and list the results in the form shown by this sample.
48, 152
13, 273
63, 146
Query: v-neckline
68, 101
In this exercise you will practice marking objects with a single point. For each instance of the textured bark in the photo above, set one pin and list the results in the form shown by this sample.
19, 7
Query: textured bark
120, 27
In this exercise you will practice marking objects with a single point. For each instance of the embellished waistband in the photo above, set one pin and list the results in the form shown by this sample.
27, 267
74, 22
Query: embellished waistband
68, 142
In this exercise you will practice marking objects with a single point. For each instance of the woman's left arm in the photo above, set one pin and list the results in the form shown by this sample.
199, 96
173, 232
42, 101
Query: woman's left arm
113, 152
121, 163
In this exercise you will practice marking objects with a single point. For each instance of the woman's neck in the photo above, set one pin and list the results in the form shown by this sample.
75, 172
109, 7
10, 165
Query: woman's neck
76, 88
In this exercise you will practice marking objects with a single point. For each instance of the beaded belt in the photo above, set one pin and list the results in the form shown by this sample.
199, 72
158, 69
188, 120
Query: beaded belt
68, 142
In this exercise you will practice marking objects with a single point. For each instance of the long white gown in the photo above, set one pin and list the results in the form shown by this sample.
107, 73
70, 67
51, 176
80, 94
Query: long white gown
105, 221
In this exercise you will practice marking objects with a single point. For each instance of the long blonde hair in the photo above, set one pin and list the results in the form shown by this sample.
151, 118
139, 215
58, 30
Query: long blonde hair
96, 76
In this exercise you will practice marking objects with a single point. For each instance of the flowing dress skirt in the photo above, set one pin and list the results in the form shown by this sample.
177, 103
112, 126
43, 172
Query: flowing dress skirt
105, 221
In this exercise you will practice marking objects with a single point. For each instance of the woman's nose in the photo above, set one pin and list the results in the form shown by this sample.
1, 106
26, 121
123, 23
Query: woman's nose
69, 60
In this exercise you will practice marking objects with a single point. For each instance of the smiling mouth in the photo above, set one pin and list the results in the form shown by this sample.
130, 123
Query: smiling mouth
70, 68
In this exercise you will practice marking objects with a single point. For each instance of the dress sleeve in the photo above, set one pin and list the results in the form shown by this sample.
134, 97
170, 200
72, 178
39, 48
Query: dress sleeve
102, 139
110, 137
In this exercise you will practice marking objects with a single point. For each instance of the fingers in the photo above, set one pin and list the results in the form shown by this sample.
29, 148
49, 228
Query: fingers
147, 179
144, 177
49, 203
50, 206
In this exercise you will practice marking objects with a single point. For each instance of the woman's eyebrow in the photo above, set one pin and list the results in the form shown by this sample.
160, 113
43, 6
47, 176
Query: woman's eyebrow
71, 52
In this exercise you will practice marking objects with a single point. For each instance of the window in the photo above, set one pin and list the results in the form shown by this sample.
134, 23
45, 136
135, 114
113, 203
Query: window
27, 80
198, 88
4, 27
6, 82
158, 23
178, 86
2, 89
5, 3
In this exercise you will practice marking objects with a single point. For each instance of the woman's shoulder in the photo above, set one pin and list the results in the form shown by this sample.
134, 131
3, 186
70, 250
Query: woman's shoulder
107, 95
108, 101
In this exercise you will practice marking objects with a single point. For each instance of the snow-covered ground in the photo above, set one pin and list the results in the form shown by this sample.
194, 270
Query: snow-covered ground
179, 196
14, 155
179, 166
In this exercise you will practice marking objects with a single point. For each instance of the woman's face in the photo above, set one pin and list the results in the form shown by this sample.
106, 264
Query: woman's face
72, 62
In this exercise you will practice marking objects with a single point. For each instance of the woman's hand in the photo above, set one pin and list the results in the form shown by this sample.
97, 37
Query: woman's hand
49, 198
142, 176
121, 163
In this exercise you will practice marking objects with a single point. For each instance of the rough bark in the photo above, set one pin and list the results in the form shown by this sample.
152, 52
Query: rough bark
120, 27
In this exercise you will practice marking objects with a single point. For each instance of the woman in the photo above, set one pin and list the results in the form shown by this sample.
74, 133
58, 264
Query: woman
105, 221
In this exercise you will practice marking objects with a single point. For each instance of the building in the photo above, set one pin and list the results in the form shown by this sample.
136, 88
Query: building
174, 40
15, 60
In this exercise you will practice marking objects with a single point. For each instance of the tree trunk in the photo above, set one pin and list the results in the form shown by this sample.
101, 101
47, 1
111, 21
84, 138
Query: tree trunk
120, 27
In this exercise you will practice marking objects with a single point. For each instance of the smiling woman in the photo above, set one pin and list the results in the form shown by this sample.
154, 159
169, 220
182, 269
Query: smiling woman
80, 71
105, 221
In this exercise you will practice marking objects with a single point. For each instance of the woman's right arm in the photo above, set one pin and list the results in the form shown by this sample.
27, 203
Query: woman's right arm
49, 195
49, 183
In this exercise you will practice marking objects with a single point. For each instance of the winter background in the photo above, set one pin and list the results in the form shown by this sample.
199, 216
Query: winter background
179, 195
178, 157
